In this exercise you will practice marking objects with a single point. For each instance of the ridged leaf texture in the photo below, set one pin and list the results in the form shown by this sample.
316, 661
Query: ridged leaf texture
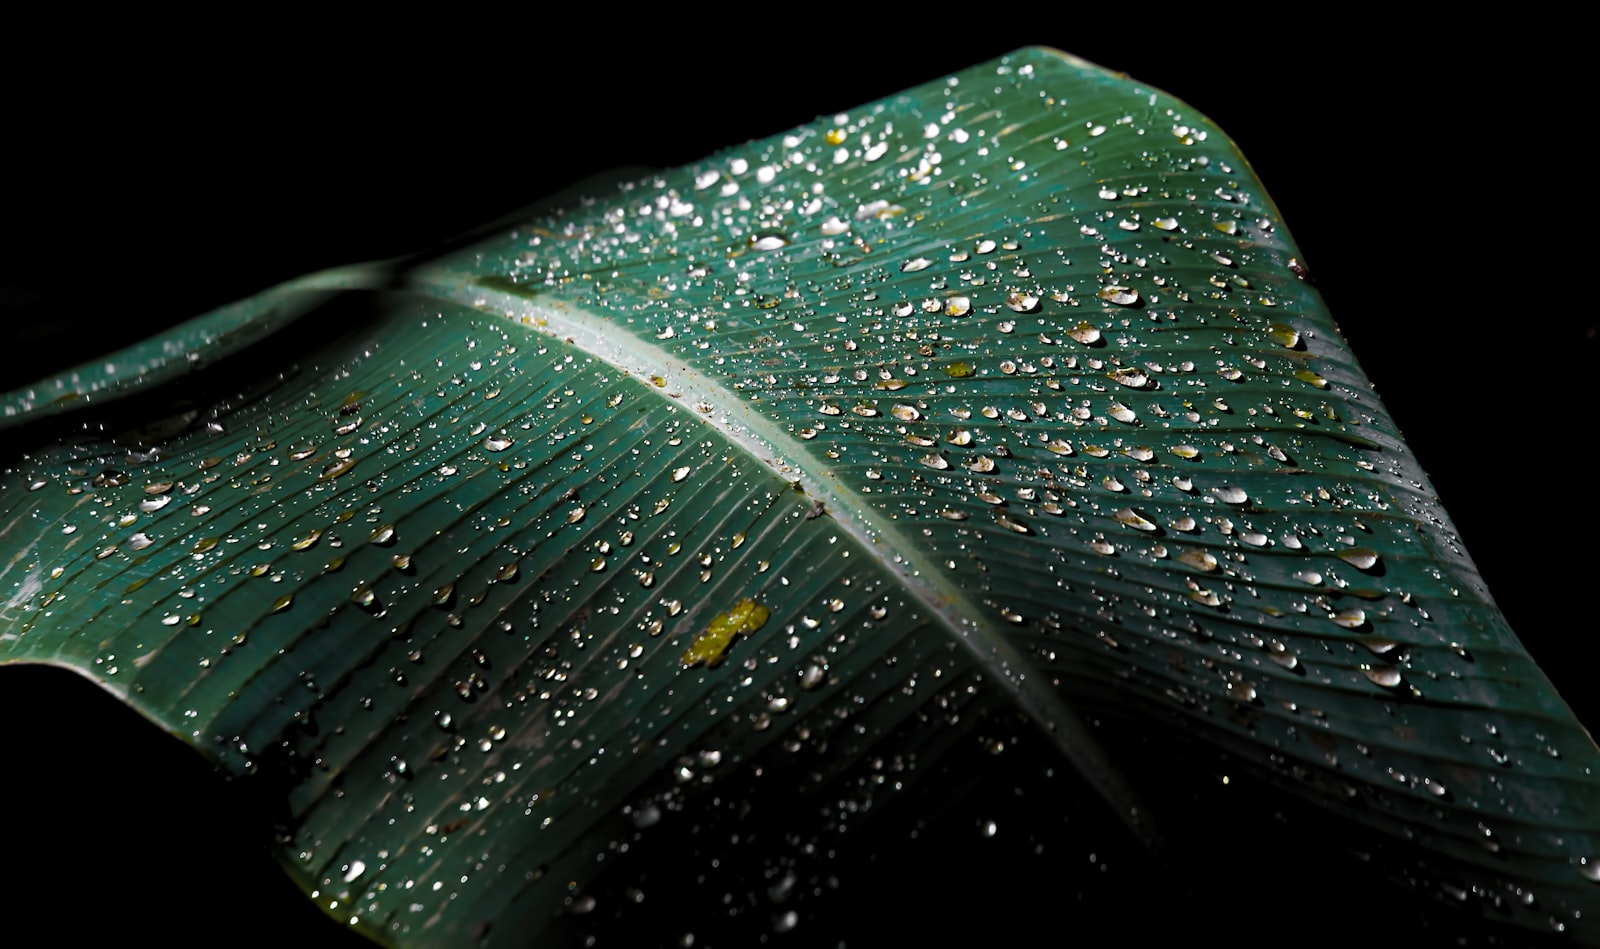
1007, 391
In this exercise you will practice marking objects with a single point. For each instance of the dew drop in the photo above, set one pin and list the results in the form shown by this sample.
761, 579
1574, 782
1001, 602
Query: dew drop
1085, 333
1387, 676
1129, 376
1022, 302
1285, 335
1128, 517
1230, 495
1350, 619
1359, 557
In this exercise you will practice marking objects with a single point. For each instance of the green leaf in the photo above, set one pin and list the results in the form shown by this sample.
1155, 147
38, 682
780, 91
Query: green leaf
487, 561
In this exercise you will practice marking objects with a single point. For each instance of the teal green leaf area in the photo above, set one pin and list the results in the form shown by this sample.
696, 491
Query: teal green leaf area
752, 486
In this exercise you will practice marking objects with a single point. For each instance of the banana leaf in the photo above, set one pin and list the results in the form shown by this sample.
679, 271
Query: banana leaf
830, 573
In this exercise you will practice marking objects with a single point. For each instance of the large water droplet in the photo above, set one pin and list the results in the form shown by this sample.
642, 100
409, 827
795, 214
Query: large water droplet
1359, 557
1387, 676
1230, 495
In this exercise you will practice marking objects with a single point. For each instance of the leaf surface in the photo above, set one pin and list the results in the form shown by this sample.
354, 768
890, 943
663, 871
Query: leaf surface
1012, 375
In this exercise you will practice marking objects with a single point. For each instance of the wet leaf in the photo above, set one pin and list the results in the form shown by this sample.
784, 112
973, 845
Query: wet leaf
612, 432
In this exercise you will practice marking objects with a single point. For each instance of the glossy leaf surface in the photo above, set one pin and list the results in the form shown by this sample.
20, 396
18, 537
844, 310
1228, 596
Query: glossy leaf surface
1013, 373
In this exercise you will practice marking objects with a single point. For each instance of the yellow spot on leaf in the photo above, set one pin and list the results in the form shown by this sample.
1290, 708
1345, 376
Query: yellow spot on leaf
746, 617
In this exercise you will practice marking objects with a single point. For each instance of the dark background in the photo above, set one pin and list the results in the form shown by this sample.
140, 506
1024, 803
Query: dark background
1424, 177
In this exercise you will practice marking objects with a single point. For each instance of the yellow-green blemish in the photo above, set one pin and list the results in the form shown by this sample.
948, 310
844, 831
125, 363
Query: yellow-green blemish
746, 617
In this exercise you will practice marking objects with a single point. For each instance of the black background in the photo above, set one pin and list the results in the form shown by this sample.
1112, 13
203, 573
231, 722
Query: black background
1424, 174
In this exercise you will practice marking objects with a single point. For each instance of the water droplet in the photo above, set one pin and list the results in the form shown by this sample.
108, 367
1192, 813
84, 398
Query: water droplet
1022, 302
1359, 557
1230, 495
336, 467
768, 240
1311, 378
1128, 517
1121, 296
1085, 333
958, 306
1132, 377
915, 264
1387, 676
1285, 335
497, 443
1350, 619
